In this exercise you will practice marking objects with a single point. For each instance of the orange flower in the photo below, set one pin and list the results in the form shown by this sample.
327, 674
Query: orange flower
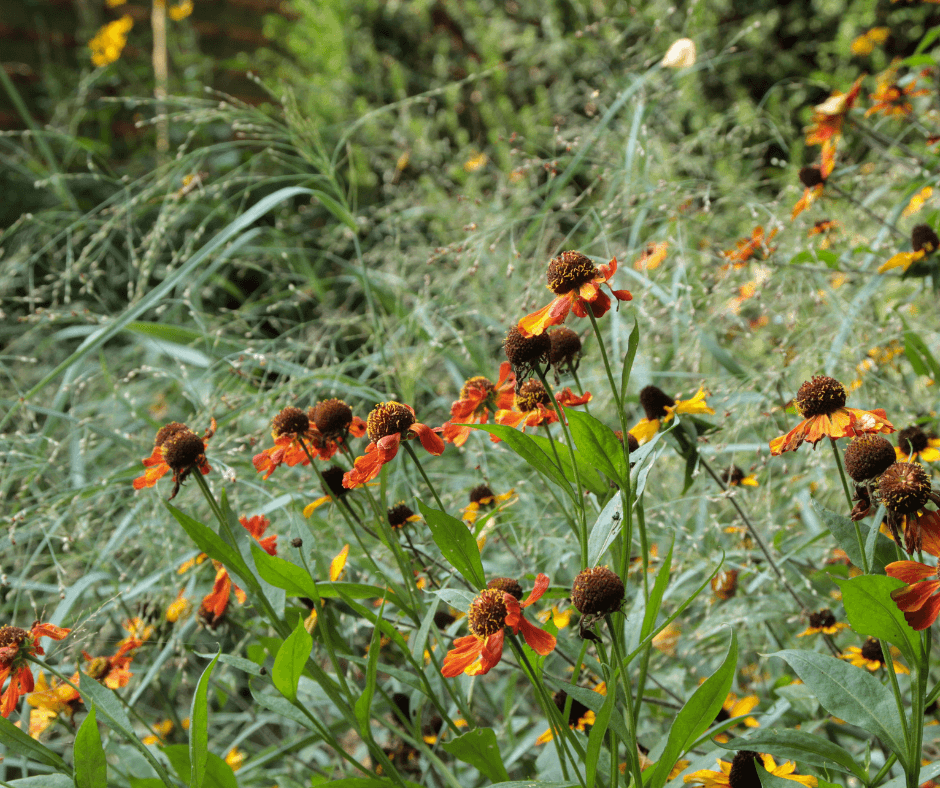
321, 430
533, 405
828, 116
747, 247
814, 178
215, 603
16, 645
176, 448
114, 672
490, 613
388, 425
477, 396
821, 402
49, 701
652, 256
575, 281
891, 99
918, 600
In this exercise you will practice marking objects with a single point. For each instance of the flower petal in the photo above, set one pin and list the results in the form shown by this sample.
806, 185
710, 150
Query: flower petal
551, 315
430, 440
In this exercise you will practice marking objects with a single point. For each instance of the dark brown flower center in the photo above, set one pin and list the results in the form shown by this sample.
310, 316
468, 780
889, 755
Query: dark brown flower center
12, 636
165, 432
388, 418
98, 667
871, 650
733, 476
654, 402
477, 385
183, 450
905, 488
530, 395
868, 456
333, 476
743, 773
487, 614
290, 421
597, 591
811, 177
725, 583
525, 352
569, 271
398, 515
480, 493
566, 346
821, 619
578, 709
923, 237
820, 396
912, 440
332, 418
443, 619
506, 584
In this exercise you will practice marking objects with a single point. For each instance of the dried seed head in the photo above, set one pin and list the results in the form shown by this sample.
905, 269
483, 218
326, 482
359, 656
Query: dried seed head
296, 542
904, 487
569, 271
477, 385
822, 618
566, 346
654, 402
743, 773
597, 591
820, 396
183, 450
530, 395
333, 476
524, 353
506, 584
332, 418
923, 237
480, 493
868, 456
165, 432
487, 614
578, 709
912, 440
398, 515
290, 421
811, 177
388, 418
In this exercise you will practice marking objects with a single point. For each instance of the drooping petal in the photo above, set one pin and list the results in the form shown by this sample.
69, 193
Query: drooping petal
645, 429
925, 616
551, 315
540, 587
430, 440
49, 631
910, 571
540, 641
490, 655
465, 652
338, 563
310, 508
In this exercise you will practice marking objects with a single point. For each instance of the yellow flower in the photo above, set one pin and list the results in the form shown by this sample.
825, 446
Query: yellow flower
865, 44
870, 656
179, 608
580, 718
822, 622
481, 496
666, 640
110, 40
659, 408
475, 162
917, 201
235, 758
160, 731
914, 445
737, 707
747, 771
180, 10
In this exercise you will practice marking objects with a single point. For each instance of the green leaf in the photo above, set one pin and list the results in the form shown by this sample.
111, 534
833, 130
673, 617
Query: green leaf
106, 702
45, 781
871, 611
632, 344
369, 782
605, 530
480, 749
335, 208
590, 479
656, 594
919, 354
364, 703
696, 715
21, 743
596, 739
927, 772
595, 701
797, 745
218, 774
199, 727
526, 447
843, 529
598, 444
456, 543
91, 768
283, 574
851, 694
533, 784
210, 543
722, 356
290, 661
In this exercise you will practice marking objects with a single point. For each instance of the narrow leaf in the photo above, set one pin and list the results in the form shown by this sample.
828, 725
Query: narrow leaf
596, 739
456, 543
91, 768
529, 450
605, 529
199, 727
364, 704
479, 748
21, 743
598, 444
632, 344
290, 660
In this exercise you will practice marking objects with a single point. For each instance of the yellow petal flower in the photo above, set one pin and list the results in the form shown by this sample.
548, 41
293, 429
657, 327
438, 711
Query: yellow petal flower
338, 564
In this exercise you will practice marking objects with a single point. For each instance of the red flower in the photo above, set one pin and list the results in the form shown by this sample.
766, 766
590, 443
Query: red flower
576, 282
114, 672
490, 613
176, 448
477, 396
532, 406
15, 646
388, 425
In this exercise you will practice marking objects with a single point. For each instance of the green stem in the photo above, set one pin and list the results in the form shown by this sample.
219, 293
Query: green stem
424, 476
630, 718
848, 499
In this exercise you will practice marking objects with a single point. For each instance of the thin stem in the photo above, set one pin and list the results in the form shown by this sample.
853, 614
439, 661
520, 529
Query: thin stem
848, 499
424, 476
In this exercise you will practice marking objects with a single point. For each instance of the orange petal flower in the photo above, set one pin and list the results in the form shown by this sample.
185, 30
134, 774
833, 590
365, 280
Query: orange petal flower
747, 247
16, 645
918, 600
178, 449
490, 613
477, 397
532, 405
388, 424
828, 116
576, 282
821, 401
